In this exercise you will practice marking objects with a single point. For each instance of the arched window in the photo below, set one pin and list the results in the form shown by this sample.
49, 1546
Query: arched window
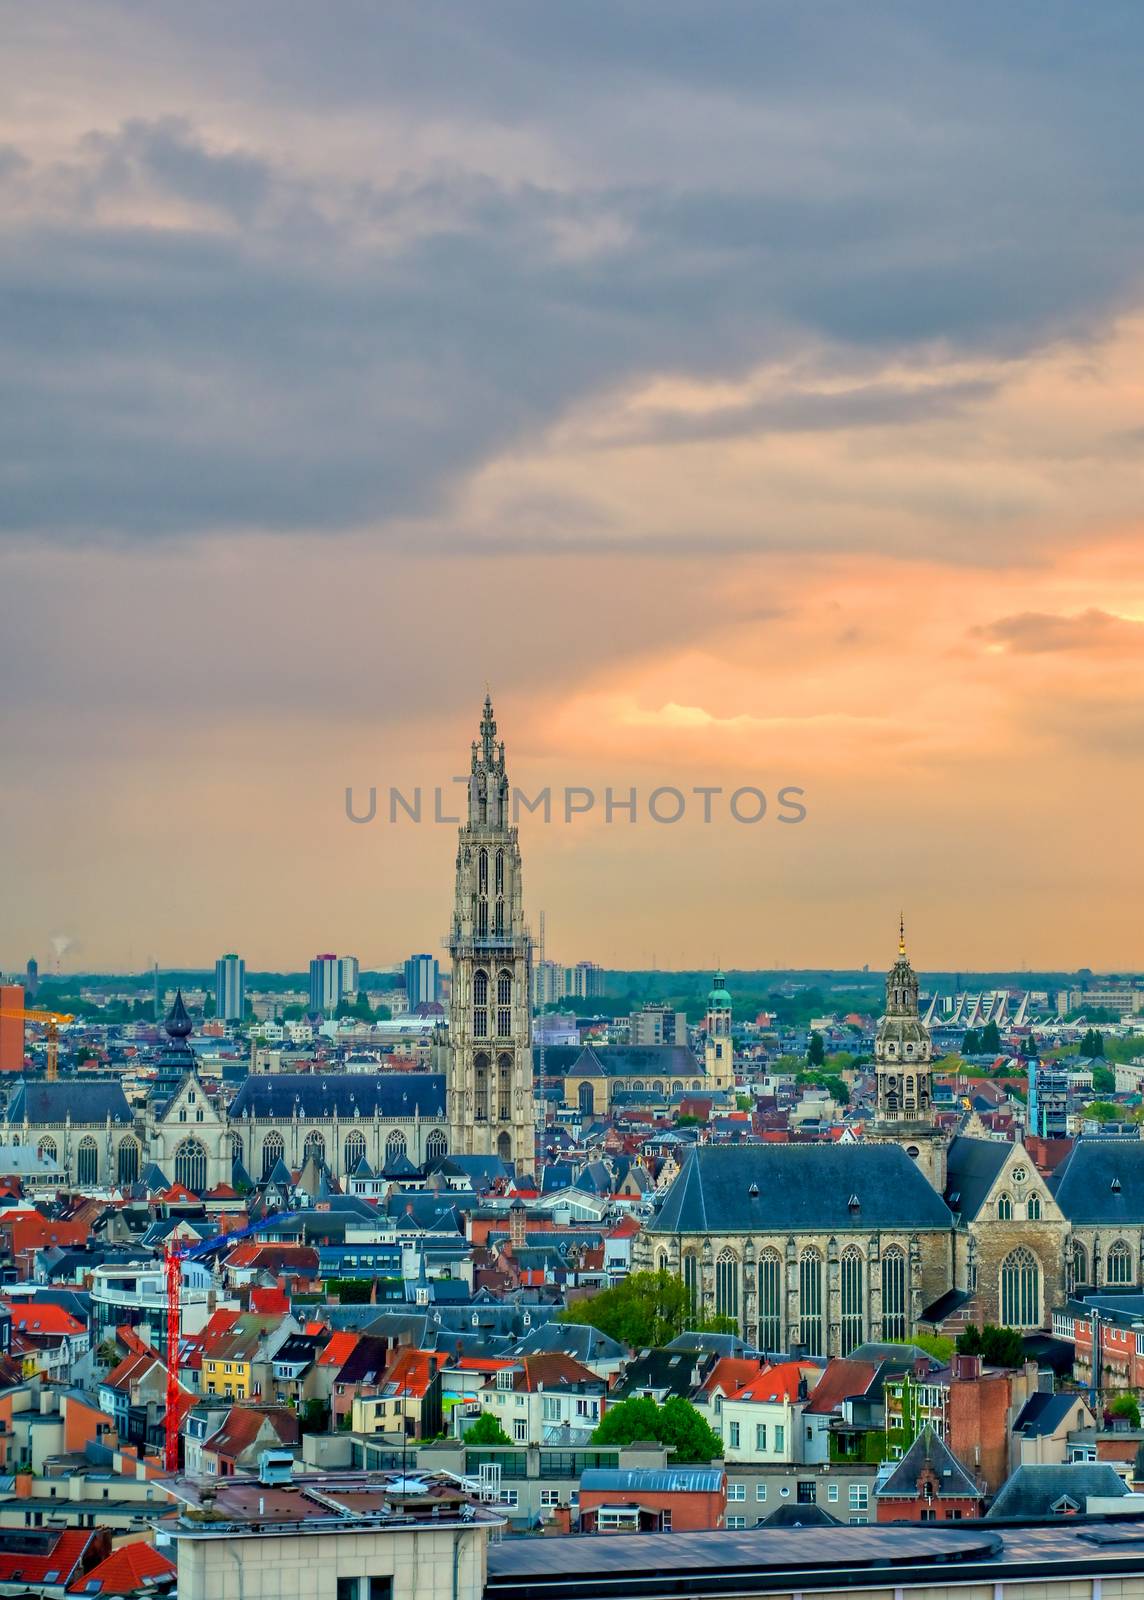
504, 1004
482, 919
1079, 1266
394, 1147
273, 1150
853, 1299
770, 1301
1119, 1263
483, 872
1033, 1208
657, 1086
586, 1099
691, 1278
127, 1160
637, 1085
436, 1146
481, 1075
191, 1166
727, 1285
1004, 1208
504, 1087
504, 1147
314, 1146
480, 1004
46, 1148
893, 1293
498, 920
810, 1301
354, 1150
500, 872
1020, 1290
87, 1161
661, 1261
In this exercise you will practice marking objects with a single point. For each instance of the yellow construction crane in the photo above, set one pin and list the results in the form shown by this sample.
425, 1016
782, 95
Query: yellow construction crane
52, 1019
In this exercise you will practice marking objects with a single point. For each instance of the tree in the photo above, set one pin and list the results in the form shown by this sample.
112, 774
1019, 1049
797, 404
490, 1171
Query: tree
971, 1044
1102, 1111
1104, 1080
314, 1416
1127, 1405
816, 1050
1092, 1044
677, 1424
646, 1309
486, 1430
990, 1039
999, 1347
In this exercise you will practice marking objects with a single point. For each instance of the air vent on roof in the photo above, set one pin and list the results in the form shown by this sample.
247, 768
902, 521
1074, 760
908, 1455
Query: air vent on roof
854, 1203
1116, 1185
753, 1191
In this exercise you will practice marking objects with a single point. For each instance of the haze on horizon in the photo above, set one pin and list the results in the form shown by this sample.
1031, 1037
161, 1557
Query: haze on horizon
751, 394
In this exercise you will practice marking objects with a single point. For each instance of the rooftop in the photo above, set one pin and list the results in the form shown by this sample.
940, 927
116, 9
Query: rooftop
317, 1503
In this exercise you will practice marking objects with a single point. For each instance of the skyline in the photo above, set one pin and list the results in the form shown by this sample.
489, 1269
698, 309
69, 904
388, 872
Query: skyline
753, 402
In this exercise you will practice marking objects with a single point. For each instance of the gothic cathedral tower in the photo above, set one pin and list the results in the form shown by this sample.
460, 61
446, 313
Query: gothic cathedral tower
490, 1094
903, 1063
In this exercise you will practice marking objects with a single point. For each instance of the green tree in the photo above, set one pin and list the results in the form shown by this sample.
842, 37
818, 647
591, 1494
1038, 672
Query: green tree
1092, 1044
677, 1424
990, 1039
1127, 1405
1104, 1080
314, 1416
971, 1044
645, 1309
1102, 1111
486, 1430
816, 1050
1000, 1347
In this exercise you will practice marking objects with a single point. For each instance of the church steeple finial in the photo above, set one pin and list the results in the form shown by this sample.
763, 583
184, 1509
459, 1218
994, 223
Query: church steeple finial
901, 933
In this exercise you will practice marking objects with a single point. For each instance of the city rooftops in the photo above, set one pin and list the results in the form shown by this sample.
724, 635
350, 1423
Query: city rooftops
320, 1503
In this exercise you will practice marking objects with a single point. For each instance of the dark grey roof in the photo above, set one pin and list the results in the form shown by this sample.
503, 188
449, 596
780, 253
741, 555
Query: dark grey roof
577, 1339
772, 1188
1034, 1491
927, 1450
1042, 1413
88, 1103
1087, 1188
971, 1171
628, 1061
392, 1095
797, 1516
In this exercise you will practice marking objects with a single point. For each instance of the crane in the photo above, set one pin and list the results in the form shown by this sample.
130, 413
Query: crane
53, 1020
173, 1258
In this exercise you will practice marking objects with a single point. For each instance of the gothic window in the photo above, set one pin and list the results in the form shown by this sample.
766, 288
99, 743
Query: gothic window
481, 1066
482, 919
1079, 1265
394, 1147
500, 872
436, 1146
191, 1166
47, 1148
661, 1261
727, 1285
586, 1099
498, 920
691, 1278
504, 1004
273, 1150
893, 1293
1004, 1208
1033, 1208
853, 1300
657, 1086
1020, 1290
314, 1146
87, 1161
127, 1160
483, 872
354, 1149
504, 1147
480, 1004
770, 1301
810, 1301
504, 1088
1119, 1263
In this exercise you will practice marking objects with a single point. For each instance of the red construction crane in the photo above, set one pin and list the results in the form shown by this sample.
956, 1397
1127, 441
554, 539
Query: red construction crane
173, 1259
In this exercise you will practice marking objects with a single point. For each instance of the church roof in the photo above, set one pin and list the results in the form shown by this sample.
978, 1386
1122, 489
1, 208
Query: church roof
622, 1060
1102, 1182
794, 1188
43, 1104
393, 1095
971, 1171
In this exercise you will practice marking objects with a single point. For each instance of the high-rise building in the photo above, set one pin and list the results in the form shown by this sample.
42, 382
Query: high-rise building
11, 1027
230, 988
349, 974
656, 1024
32, 978
547, 984
490, 1091
325, 983
584, 981
422, 981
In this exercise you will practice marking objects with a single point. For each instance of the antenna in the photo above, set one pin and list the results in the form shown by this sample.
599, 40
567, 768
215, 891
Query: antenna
542, 976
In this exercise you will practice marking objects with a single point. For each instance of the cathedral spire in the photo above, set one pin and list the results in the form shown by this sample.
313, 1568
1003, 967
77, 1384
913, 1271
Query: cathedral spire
901, 933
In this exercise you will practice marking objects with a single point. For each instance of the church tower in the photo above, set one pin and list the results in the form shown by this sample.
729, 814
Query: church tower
903, 1063
719, 1049
490, 1093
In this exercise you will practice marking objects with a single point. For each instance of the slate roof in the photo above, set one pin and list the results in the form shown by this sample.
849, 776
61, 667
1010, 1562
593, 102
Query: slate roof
577, 1339
1086, 1188
1033, 1491
629, 1061
799, 1188
927, 1450
52, 1103
1042, 1414
797, 1516
392, 1095
971, 1171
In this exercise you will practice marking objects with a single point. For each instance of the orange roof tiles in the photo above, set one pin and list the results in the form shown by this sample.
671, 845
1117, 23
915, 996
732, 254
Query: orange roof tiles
131, 1567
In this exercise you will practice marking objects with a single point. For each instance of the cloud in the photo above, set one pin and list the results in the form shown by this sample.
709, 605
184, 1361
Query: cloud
1042, 633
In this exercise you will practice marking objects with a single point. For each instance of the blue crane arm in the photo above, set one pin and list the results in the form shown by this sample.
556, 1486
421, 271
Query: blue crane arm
222, 1241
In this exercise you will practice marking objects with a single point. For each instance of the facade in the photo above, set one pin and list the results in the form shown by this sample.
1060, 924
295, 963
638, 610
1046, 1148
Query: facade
584, 981
654, 1024
11, 1028
600, 1073
230, 988
422, 981
490, 1090
349, 975
325, 983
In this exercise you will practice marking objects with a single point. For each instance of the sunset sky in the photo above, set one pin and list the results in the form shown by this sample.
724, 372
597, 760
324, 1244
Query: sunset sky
749, 394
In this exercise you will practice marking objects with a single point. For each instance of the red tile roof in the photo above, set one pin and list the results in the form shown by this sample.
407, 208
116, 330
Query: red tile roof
730, 1374
270, 1302
40, 1316
779, 1382
64, 1558
337, 1352
131, 1567
840, 1380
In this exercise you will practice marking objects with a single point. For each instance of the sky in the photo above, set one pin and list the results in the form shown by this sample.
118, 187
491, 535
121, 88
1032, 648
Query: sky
750, 395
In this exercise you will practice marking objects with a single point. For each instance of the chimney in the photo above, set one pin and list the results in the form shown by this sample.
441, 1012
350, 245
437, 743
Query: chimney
517, 1218
967, 1369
